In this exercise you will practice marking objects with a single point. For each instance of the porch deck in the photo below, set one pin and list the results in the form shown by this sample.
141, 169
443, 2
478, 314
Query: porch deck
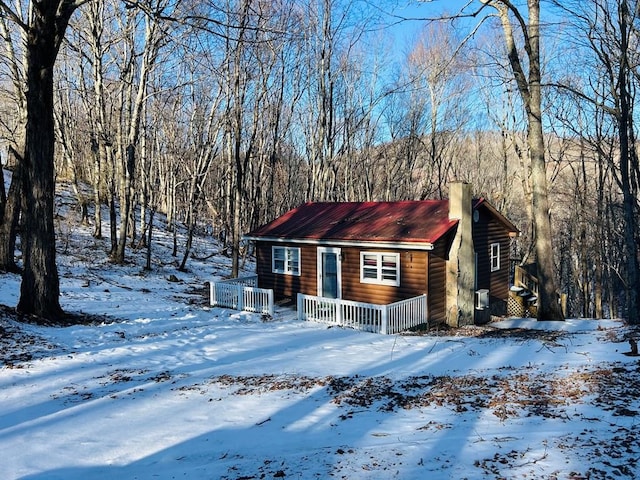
243, 294
386, 319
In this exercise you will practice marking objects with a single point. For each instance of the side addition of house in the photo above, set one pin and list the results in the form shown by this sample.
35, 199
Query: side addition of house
456, 252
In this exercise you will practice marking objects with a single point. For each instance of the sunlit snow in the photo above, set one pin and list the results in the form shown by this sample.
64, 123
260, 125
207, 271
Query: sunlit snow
170, 388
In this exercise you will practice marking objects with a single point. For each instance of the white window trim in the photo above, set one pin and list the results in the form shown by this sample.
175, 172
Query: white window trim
379, 280
288, 265
494, 257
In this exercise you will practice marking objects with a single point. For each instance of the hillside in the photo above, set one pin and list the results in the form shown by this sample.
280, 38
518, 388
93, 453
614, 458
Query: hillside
158, 385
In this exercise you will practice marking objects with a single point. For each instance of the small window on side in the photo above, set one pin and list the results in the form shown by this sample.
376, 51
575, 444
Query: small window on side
495, 257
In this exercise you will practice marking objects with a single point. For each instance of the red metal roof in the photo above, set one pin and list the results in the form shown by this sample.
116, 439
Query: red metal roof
396, 222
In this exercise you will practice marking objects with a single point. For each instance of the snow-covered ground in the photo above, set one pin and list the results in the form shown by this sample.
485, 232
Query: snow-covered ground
160, 386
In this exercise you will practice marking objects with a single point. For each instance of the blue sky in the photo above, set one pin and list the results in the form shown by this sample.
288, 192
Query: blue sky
416, 14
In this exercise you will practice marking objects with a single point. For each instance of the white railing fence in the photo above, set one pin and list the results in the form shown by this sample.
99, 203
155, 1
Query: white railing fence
407, 314
241, 294
386, 319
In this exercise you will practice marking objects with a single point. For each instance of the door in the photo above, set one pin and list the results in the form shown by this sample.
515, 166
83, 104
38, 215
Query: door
329, 278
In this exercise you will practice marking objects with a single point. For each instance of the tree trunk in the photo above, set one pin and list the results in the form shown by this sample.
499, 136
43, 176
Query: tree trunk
40, 288
113, 225
625, 132
9, 217
3, 194
100, 147
152, 212
187, 248
235, 230
125, 203
10, 207
190, 221
549, 307
97, 179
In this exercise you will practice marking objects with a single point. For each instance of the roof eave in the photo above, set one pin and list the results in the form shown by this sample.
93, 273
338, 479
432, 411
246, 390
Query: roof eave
509, 226
345, 243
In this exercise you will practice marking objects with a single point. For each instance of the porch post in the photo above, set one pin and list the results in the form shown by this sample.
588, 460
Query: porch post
270, 300
212, 294
385, 319
240, 293
300, 307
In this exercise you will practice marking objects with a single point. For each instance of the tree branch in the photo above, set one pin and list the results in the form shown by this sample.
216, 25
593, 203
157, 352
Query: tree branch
11, 15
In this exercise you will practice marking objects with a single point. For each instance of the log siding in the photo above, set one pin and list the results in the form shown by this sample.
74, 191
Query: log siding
487, 231
422, 271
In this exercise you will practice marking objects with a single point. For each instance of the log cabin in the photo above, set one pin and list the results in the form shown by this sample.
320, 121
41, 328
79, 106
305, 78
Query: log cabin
456, 251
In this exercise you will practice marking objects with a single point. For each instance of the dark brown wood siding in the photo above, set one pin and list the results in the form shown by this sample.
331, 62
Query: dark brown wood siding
287, 286
413, 274
421, 271
487, 231
437, 297
413, 277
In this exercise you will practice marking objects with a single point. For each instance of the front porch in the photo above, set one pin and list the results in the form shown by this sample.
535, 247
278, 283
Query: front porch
386, 319
243, 294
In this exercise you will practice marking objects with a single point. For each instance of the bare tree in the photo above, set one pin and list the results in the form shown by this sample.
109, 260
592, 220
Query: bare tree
15, 129
606, 31
134, 95
530, 89
330, 38
10, 215
44, 31
67, 117
622, 74
255, 114
93, 43
205, 142
436, 76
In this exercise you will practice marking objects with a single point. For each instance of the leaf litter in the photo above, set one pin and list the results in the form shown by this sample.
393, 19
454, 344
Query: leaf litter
147, 381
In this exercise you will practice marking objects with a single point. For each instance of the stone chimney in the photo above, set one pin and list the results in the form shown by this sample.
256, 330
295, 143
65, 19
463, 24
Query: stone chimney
461, 266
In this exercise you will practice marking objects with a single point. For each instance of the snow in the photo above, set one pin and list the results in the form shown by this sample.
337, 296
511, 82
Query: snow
160, 386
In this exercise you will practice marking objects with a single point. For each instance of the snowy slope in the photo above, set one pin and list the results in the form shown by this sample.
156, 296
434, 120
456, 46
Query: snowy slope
164, 387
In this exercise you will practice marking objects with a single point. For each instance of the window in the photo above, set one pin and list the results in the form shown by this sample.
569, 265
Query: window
382, 268
286, 260
495, 257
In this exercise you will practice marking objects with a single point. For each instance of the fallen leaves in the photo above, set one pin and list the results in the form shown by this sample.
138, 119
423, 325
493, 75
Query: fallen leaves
515, 392
599, 396
18, 347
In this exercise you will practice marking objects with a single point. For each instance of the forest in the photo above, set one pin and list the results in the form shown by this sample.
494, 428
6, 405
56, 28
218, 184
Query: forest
223, 114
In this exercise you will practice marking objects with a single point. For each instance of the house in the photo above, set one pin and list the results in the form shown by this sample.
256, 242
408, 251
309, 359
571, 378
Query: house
455, 251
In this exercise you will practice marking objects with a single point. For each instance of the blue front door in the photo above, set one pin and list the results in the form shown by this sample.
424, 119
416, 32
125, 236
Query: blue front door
329, 272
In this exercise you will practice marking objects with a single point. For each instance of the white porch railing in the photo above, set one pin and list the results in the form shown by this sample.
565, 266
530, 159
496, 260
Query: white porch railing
387, 319
241, 294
